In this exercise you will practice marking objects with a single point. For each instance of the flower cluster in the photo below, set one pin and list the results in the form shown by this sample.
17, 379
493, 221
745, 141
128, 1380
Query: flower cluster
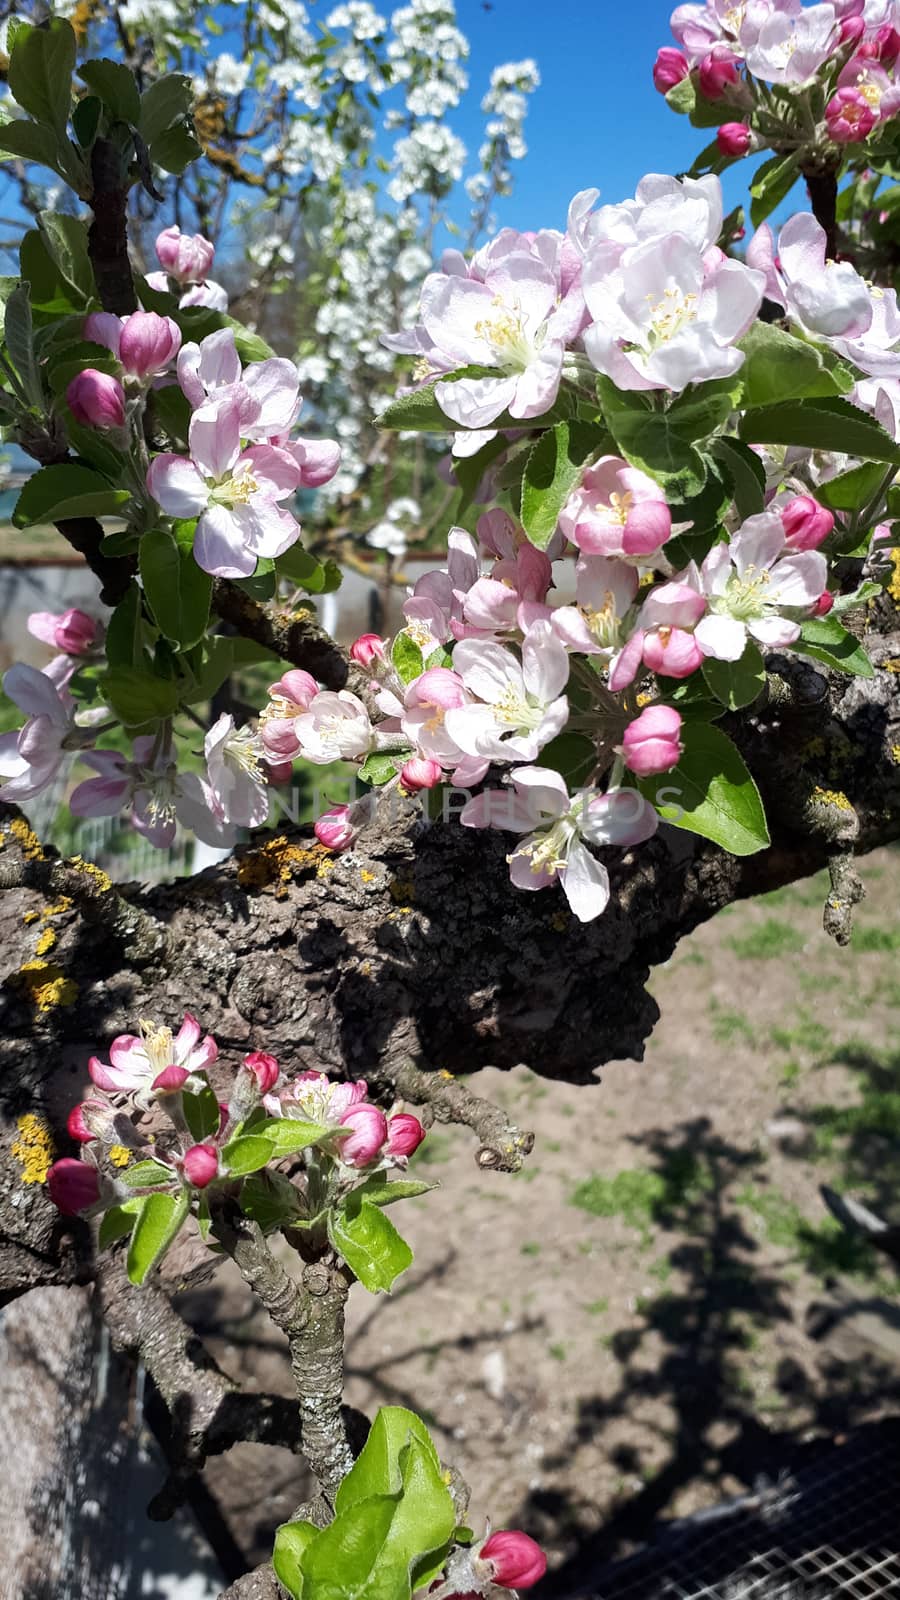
153, 1123
761, 60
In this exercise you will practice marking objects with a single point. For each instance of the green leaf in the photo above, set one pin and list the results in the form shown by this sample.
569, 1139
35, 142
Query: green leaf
67, 242
175, 149
381, 1192
285, 1134
32, 142
159, 1221
371, 1246
291, 1540
651, 441
338, 1565
711, 792
270, 1199
123, 633
68, 490
169, 100
572, 755
827, 640
201, 1113
147, 1175
117, 1222
682, 97
138, 696
851, 491
18, 335
821, 425
247, 1153
470, 470
171, 409
780, 367
406, 657
377, 1468
771, 183
554, 468
86, 120
116, 86
746, 471
379, 768
40, 72
178, 591
736, 683
702, 407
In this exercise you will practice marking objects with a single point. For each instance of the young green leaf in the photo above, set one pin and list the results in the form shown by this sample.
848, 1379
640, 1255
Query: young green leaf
116, 86
178, 591
201, 1113
370, 1245
123, 633
772, 183
287, 1135
821, 425
711, 792
247, 1153
138, 696
147, 1175
651, 440
736, 683
18, 335
379, 768
406, 657
827, 640
381, 1192
167, 101
554, 468
118, 1222
376, 1469
780, 367
270, 1199
68, 490
41, 65
746, 472
158, 1223
291, 1540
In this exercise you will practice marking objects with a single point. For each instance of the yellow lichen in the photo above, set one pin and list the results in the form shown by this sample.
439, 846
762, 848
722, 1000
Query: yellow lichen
644, 699
274, 865
30, 916
33, 1148
45, 942
118, 1155
101, 880
832, 797
367, 876
46, 985
64, 903
893, 587
26, 839
893, 665
443, 1073
895, 754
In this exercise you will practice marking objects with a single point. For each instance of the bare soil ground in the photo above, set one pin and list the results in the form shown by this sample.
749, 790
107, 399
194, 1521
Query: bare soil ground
658, 1307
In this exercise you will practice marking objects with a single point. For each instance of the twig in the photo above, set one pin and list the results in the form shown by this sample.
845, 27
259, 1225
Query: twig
295, 636
503, 1145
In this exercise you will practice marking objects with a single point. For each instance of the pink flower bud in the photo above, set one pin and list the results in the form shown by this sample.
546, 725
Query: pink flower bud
320, 461
717, 71
279, 771
73, 632
404, 1134
888, 40
368, 649
517, 1561
824, 604
77, 1127
669, 68
102, 327
652, 742
868, 51
420, 773
74, 1186
200, 1164
849, 117
672, 651
334, 830
806, 523
734, 138
185, 256
368, 1132
96, 399
265, 1069
171, 1079
148, 343
851, 30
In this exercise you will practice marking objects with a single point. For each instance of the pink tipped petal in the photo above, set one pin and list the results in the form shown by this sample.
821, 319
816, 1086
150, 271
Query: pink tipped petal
177, 486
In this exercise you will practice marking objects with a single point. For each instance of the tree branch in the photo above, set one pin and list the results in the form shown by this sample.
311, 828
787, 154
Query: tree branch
295, 636
503, 1145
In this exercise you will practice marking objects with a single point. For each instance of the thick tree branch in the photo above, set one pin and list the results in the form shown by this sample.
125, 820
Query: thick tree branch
295, 635
108, 233
821, 184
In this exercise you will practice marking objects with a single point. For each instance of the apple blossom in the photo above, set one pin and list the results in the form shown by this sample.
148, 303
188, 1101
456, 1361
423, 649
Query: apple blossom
616, 511
786, 45
171, 1080
517, 707
339, 827
662, 205
136, 1062
145, 343
73, 631
335, 727
159, 795
427, 702
184, 256
234, 773
264, 1068
667, 316
749, 582
314, 1097
734, 138
718, 71
234, 492
420, 773
651, 743
288, 698
663, 638
74, 1186
824, 604
96, 399
849, 116
367, 651
604, 594
558, 829
31, 757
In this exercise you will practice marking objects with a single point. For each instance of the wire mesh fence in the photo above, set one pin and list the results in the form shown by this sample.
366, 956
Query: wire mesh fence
829, 1528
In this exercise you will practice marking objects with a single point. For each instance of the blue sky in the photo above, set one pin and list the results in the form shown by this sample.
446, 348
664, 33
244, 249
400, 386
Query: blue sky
596, 121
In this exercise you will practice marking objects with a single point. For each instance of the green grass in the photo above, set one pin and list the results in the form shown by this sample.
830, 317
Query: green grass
873, 938
823, 1247
558, 1352
727, 1026
642, 1197
595, 1308
530, 1248
767, 941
